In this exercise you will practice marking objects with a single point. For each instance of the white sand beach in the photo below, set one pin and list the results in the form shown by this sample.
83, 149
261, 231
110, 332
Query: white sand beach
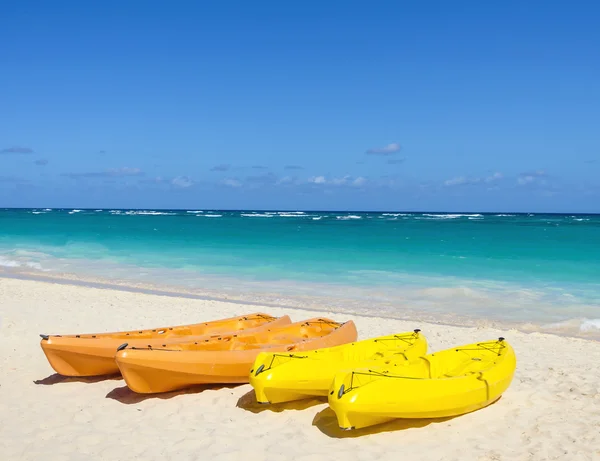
551, 410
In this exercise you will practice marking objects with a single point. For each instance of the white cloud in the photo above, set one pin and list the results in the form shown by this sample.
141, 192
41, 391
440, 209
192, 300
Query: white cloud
466, 181
495, 177
182, 182
522, 180
230, 182
457, 181
386, 150
530, 177
317, 180
341, 181
359, 181
285, 180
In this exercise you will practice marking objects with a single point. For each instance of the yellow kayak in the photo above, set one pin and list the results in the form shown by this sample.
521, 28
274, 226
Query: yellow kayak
280, 377
448, 383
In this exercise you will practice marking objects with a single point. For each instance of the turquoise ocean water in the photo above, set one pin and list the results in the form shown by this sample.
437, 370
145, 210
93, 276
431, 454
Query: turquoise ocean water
533, 271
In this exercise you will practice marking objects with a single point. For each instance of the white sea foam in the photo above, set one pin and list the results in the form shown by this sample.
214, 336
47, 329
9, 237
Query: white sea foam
74, 211
7, 262
504, 215
351, 216
195, 211
34, 265
38, 212
257, 215
149, 213
4, 262
395, 214
452, 215
212, 215
292, 215
590, 325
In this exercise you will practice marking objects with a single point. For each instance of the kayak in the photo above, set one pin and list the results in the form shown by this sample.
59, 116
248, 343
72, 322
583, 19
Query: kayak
94, 354
283, 377
225, 359
444, 384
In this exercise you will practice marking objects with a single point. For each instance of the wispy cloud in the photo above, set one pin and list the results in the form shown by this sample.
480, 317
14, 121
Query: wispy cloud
222, 167
182, 182
471, 181
317, 180
497, 176
532, 177
110, 173
41, 162
460, 181
287, 181
231, 182
293, 167
590, 161
390, 149
17, 150
340, 181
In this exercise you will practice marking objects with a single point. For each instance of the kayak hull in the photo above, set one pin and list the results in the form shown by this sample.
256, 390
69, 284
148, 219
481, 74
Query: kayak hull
224, 360
94, 355
279, 378
425, 388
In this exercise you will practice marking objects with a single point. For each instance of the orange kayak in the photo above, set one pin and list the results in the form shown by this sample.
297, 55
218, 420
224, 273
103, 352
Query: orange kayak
225, 359
94, 354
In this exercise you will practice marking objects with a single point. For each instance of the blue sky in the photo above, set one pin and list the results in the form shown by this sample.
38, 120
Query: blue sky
429, 105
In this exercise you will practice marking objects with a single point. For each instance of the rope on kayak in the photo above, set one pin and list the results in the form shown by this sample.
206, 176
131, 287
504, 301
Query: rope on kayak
324, 322
151, 348
382, 374
408, 339
496, 347
259, 316
262, 368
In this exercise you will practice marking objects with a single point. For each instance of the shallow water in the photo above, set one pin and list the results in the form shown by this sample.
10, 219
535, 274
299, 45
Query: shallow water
534, 271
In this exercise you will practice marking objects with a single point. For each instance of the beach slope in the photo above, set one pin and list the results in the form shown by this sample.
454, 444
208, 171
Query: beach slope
551, 410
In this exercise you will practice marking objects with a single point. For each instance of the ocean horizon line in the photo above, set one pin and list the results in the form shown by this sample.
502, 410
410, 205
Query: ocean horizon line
291, 210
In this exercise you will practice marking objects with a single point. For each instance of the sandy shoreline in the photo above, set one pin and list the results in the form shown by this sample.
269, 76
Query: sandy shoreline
401, 310
551, 410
